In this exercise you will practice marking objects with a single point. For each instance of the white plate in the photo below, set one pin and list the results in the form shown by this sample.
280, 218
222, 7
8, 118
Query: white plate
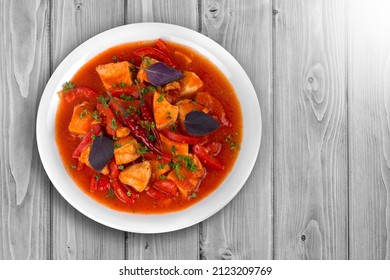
142, 223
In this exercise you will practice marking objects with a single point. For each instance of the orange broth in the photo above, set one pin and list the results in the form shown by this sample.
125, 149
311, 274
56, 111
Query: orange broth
214, 82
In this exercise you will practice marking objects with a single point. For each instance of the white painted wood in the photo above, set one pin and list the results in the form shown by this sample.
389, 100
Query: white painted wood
24, 187
369, 141
310, 153
74, 235
182, 244
243, 229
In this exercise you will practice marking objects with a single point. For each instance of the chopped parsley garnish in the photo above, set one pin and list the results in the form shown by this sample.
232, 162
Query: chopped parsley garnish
121, 167
151, 137
73, 166
143, 91
160, 165
133, 109
67, 86
117, 145
110, 193
103, 100
161, 98
174, 127
189, 163
142, 149
147, 125
122, 84
233, 145
159, 157
173, 149
146, 61
113, 124
96, 115
117, 113
128, 193
93, 136
126, 97
159, 88
97, 176
115, 59
169, 115
194, 195
83, 113
176, 167
151, 89
163, 177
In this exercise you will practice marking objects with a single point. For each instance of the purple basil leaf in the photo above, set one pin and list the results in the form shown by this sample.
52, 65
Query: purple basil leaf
160, 74
101, 152
199, 124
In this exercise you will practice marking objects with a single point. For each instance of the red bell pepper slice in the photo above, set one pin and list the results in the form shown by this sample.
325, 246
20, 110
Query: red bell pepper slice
154, 193
114, 171
93, 186
203, 154
127, 90
86, 141
101, 183
154, 53
177, 137
167, 186
121, 192
162, 46
78, 93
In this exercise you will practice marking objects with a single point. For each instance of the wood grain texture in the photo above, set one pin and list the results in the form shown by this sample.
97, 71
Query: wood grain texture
369, 115
310, 153
243, 229
182, 244
24, 64
74, 235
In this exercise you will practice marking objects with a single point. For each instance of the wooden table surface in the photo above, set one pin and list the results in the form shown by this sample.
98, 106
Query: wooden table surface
320, 187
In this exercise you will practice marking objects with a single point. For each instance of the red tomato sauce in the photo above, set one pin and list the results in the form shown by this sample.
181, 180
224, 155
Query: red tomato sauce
214, 82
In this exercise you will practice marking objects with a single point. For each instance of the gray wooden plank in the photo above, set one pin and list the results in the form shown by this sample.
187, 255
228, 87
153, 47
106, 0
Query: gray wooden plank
24, 70
369, 106
310, 160
182, 244
74, 235
243, 229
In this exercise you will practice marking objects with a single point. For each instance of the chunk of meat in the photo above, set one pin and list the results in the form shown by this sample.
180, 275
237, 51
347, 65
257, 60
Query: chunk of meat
82, 119
186, 106
186, 180
189, 84
122, 131
126, 150
165, 114
213, 105
137, 175
113, 74
146, 62
172, 86
84, 158
173, 147
159, 168
183, 58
